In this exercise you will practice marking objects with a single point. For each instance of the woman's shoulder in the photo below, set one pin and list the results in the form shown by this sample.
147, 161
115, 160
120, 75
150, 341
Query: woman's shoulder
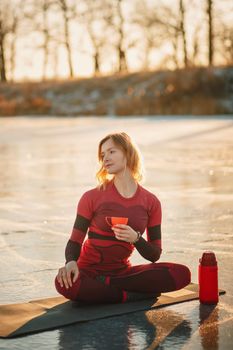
91, 192
151, 196
95, 191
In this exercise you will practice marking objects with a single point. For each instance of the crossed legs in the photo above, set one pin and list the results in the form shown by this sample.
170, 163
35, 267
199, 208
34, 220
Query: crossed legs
148, 278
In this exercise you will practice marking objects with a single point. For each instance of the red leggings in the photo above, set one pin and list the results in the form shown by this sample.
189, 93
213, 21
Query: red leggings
150, 278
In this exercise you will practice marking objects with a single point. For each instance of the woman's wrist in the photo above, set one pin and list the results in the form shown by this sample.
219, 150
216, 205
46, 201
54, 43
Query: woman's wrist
70, 261
137, 238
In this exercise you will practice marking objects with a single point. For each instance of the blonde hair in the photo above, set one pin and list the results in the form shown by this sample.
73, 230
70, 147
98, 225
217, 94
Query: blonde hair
133, 157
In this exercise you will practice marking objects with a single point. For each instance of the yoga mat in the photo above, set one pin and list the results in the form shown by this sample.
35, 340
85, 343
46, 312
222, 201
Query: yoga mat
51, 313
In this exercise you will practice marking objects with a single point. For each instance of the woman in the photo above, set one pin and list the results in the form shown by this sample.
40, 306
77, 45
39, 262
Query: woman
98, 270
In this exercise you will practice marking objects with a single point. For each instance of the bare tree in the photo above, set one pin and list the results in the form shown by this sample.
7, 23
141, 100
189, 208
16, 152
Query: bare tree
97, 44
55, 58
150, 35
10, 18
94, 19
209, 11
12, 48
68, 13
7, 26
168, 19
173, 23
220, 32
39, 18
3, 32
162, 24
46, 34
121, 37
183, 31
195, 45
170, 23
116, 22
225, 39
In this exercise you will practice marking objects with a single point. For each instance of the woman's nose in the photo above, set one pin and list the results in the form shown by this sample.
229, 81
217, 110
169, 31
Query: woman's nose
106, 158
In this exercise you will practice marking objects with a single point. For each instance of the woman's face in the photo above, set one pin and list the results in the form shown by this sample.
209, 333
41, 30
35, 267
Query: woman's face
114, 160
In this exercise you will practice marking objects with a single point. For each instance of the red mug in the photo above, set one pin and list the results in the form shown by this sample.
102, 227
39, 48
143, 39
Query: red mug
114, 220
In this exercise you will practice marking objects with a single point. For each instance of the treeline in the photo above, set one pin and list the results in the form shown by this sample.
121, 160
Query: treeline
189, 33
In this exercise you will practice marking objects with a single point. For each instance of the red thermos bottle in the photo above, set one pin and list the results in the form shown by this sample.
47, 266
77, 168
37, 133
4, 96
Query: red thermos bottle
208, 278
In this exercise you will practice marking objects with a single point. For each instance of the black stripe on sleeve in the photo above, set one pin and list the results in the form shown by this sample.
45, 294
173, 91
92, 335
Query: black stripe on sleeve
154, 232
72, 251
146, 250
81, 223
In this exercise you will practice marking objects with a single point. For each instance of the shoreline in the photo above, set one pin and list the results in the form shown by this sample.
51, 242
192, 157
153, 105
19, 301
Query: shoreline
193, 91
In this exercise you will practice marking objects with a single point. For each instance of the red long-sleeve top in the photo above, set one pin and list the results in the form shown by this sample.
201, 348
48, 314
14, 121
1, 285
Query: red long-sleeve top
102, 251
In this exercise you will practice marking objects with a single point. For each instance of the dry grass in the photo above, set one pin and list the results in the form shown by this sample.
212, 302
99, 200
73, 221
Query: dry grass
191, 91
33, 105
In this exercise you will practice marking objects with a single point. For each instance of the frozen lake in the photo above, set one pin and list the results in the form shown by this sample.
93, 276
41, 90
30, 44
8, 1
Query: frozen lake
45, 166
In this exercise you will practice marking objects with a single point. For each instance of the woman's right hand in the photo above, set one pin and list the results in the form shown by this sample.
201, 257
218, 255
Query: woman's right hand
65, 272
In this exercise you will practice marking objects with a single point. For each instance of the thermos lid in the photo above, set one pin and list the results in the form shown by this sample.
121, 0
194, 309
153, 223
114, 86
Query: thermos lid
208, 259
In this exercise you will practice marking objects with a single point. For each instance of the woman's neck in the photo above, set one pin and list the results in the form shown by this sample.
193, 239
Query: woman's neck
125, 184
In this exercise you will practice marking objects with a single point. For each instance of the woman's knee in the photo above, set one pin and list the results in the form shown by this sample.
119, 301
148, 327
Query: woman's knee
70, 293
181, 275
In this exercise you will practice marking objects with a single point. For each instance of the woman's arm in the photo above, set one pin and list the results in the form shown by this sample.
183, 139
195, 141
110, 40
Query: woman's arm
74, 244
73, 247
72, 251
80, 227
149, 250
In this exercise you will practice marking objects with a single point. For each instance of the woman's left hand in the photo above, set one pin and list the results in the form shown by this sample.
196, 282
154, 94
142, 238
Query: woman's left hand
125, 233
